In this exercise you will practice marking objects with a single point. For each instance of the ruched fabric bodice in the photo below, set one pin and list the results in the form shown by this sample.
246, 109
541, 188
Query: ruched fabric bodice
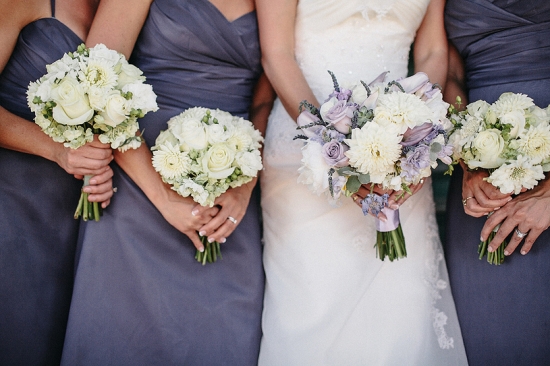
190, 64
140, 297
503, 311
37, 231
504, 44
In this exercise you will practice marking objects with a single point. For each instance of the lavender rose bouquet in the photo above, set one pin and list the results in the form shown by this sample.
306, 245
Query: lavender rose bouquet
389, 133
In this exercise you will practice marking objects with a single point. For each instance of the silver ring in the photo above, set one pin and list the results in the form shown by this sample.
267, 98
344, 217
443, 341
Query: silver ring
232, 219
520, 234
115, 189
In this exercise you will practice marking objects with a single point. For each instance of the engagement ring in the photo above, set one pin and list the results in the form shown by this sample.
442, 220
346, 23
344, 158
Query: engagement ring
115, 189
520, 234
232, 219
465, 200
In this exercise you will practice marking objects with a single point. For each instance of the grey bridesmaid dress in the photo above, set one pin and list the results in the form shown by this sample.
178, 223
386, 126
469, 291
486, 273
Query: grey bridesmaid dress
503, 310
38, 234
140, 298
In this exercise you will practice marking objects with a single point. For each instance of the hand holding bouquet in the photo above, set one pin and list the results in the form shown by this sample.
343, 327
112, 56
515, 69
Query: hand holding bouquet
202, 154
91, 91
511, 139
389, 133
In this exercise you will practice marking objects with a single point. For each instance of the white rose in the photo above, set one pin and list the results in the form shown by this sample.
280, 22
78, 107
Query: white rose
190, 131
72, 106
129, 74
314, 169
250, 162
478, 109
217, 133
166, 137
489, 145
217, 161
516, 119
536, 116
115, 110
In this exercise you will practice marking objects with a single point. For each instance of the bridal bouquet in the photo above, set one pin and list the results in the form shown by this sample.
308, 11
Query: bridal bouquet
511, 139
91, 91
202, 154
389, 133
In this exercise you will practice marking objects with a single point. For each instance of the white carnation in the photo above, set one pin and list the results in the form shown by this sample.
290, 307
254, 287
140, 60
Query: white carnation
314, 169
250, 162
143, 97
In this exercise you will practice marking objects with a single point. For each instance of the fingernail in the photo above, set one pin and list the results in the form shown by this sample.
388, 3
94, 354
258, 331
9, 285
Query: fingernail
523, 252
93, 181
87, 190
394, 206
506, 252
202, 233
481, 238
201, 249
490, 250
509, 199
223, 240
194, 212
210, 240
496, 208
383, 219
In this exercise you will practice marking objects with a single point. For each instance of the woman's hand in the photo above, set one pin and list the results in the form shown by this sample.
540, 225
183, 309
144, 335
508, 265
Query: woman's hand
478, 196
101, 188
90, 159
179, 212
233, 204
527, 214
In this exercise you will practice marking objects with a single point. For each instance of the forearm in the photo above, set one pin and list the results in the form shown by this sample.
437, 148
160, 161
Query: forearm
137, 164
21, 135
262, 103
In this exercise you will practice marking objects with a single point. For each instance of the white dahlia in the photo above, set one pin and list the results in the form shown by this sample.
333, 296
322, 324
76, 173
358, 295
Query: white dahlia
170, 162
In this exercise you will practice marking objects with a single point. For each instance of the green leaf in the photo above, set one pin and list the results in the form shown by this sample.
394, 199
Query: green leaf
364, 178
353, 184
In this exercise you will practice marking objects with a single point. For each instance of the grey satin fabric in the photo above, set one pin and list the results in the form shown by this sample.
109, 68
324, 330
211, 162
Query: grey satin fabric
140, 297
503, 311
37, 231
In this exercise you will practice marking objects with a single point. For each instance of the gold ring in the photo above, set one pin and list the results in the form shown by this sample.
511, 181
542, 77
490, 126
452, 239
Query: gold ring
355, 198
465, 200
232, 219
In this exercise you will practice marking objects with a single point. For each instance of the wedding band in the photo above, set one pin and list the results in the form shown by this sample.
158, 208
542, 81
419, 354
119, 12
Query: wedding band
232, 219
355, 198
520, 234
465, 200
115, 189
421, 181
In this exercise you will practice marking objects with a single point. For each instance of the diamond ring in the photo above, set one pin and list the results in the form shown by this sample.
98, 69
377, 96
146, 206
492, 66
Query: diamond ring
232, 219
520, 234
465, 200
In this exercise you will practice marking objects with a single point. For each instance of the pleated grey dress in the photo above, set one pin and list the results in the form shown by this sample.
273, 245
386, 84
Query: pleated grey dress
38, 233
503, 310
140, 297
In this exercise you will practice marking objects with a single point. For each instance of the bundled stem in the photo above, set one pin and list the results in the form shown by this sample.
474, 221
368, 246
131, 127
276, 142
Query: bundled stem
212, 251
88, 210
391, 244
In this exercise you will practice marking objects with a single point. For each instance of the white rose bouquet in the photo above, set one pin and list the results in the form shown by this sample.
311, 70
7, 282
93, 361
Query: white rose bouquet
387, 133
91, 91
511, 139
205, 152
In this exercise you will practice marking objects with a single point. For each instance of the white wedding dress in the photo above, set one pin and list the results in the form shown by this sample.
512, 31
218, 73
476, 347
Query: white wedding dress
329, 300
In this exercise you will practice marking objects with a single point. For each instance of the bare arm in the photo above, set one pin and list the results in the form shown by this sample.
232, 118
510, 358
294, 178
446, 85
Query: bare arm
18, 134
117, 25
456, 83
430, 45
276, 20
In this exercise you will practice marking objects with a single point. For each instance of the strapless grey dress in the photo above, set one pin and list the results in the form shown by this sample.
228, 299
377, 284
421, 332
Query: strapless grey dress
503, 310
140, 298
38, 233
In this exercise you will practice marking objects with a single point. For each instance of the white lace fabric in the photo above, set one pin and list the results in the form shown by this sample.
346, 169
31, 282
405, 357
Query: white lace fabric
329, 300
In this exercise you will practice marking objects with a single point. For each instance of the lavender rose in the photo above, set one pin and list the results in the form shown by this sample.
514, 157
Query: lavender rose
333, 152
339, 114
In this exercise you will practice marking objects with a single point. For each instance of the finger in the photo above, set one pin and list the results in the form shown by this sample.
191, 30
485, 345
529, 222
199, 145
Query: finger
196, 240
99, 192
357, 200
102, 177
472, 207
106, 203
530, 240
502, 233
223, 232
512, 244
490, 224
